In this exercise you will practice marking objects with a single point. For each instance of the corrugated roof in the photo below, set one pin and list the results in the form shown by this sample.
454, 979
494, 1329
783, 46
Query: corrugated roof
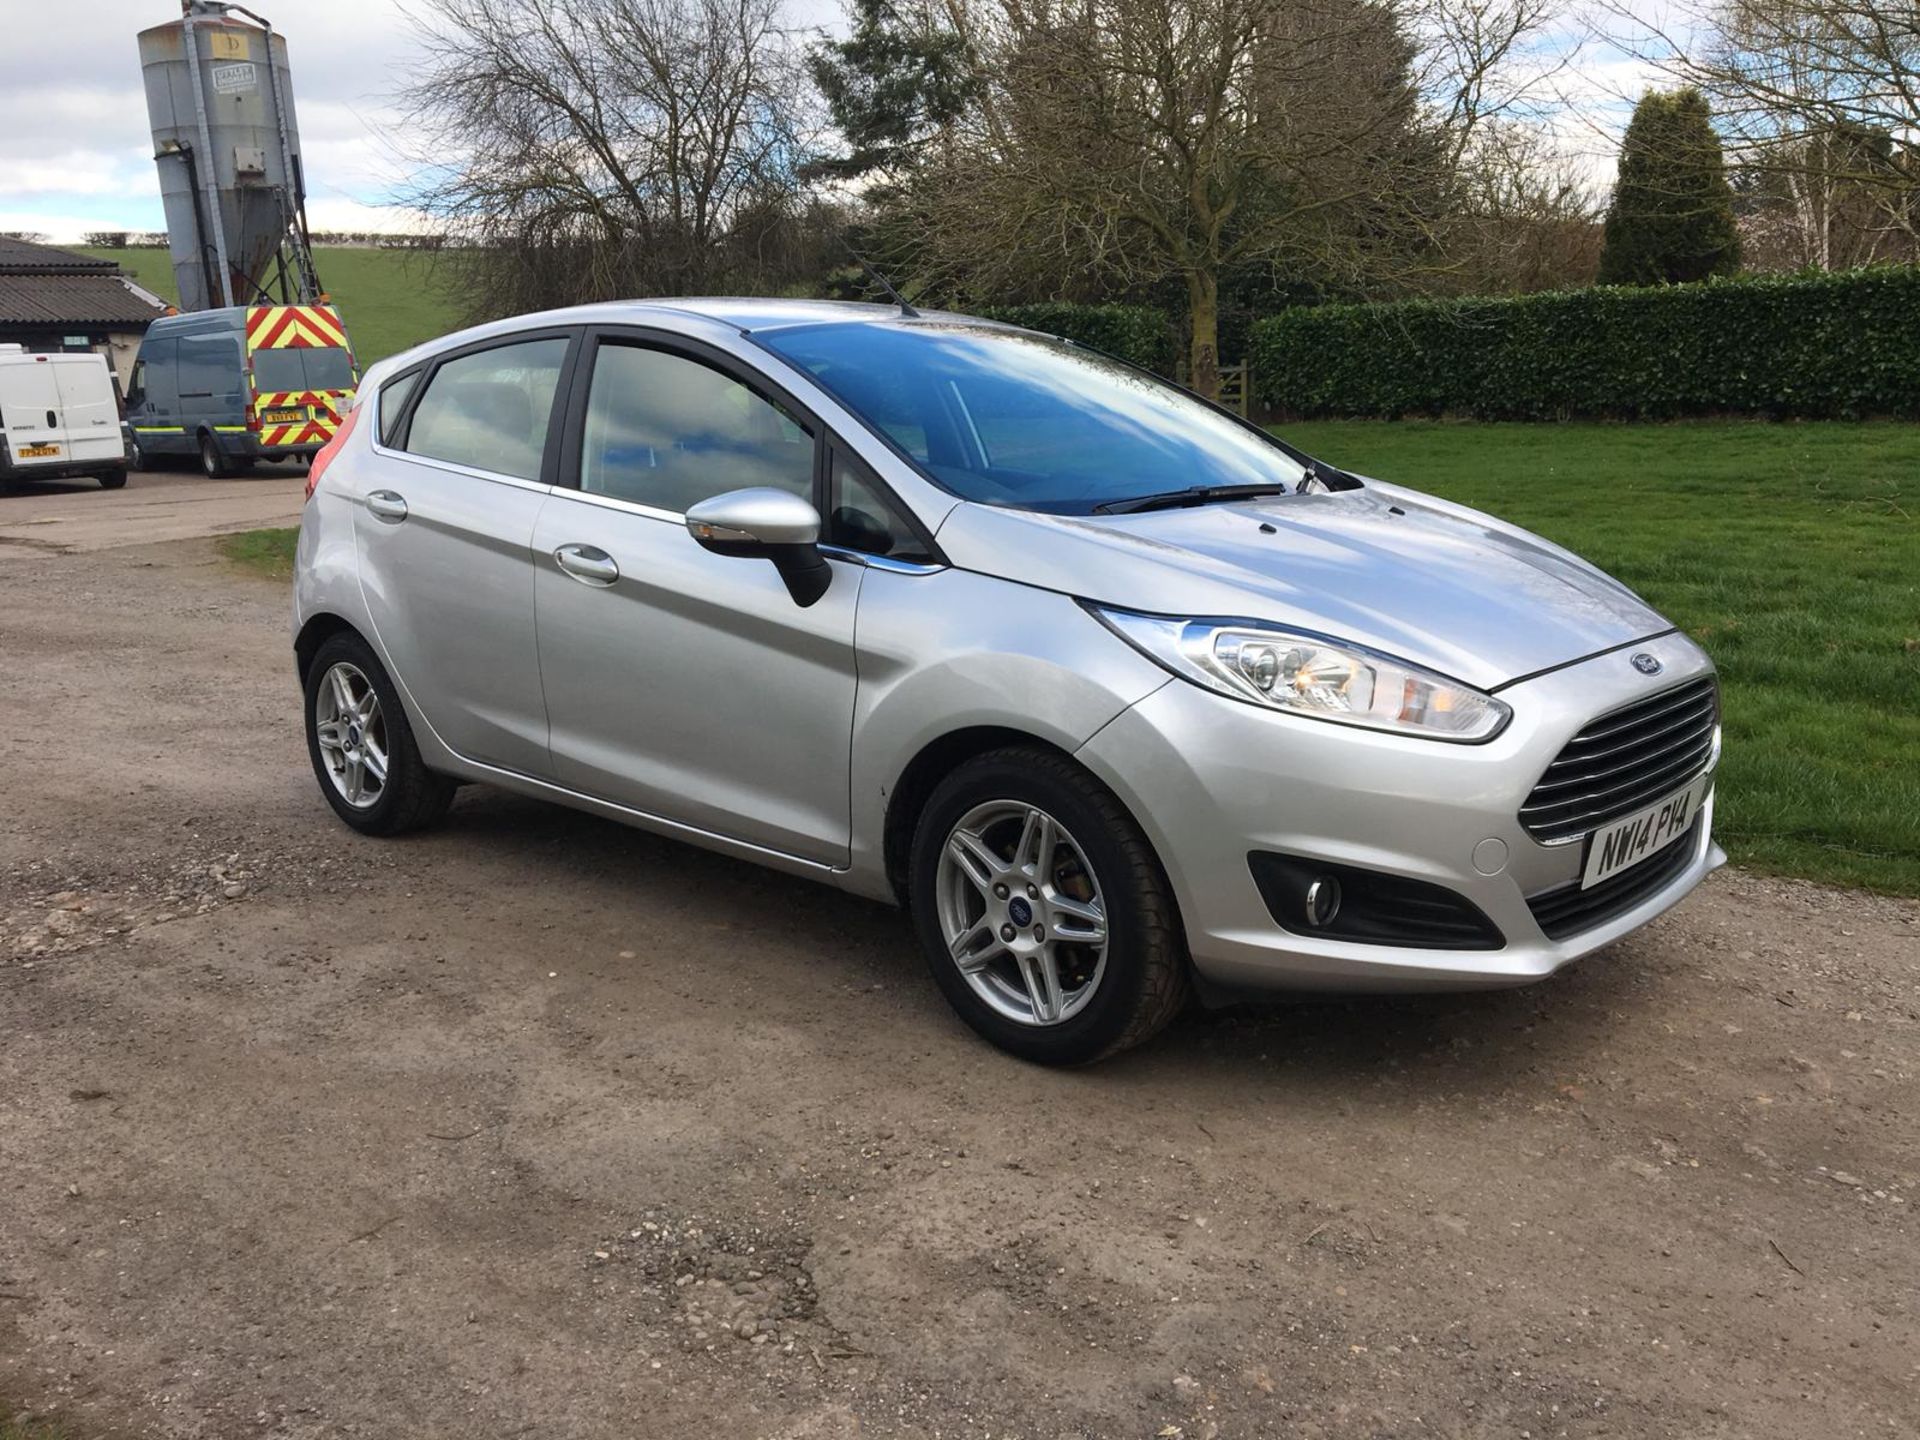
77, 300
25, 257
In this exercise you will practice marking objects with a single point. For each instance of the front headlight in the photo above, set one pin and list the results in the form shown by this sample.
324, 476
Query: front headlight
1310, 675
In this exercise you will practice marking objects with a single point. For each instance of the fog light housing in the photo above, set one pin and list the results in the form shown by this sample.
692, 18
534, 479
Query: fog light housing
1368, 907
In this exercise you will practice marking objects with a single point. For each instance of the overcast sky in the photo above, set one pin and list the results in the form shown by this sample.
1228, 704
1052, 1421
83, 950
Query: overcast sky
75, 155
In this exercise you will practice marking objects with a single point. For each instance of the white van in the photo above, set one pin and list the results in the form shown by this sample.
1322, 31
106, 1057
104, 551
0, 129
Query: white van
59, 416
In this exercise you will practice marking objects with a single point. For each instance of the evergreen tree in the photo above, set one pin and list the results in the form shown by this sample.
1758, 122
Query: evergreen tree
890, 85
1672, 214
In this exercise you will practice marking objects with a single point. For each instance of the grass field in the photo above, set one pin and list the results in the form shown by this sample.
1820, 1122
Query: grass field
390, 299
1791, 552
268, 553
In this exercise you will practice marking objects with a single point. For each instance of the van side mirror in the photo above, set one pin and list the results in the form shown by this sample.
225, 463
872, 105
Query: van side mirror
767, 524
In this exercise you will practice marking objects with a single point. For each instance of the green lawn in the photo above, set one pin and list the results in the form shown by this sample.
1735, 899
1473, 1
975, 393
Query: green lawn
267, 553
1791, 552
390, 299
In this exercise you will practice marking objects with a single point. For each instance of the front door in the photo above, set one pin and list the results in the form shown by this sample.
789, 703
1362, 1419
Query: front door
682, 683
445, 525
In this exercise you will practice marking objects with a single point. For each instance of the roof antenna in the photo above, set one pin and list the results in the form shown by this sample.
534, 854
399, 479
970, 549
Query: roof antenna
880, 280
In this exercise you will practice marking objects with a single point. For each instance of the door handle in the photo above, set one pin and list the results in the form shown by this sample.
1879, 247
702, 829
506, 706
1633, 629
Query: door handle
387, 505
587, 565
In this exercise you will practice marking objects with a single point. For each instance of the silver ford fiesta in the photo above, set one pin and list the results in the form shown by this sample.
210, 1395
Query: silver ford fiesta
1122, 697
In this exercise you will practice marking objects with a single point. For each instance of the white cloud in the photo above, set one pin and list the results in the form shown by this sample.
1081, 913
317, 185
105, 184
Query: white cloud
75, 153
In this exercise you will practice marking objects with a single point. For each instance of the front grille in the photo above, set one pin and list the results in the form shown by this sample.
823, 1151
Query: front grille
1623, 761
1375, 908
1569, 910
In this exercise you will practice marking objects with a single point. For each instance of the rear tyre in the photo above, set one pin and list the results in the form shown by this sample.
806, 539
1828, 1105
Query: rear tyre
1042, 910
362, 747
213, 460
113, 479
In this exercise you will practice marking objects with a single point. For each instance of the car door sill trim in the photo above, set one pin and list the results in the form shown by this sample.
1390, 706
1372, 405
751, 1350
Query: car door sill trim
580, 799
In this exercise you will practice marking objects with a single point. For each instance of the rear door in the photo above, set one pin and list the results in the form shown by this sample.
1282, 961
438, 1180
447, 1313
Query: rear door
88, 408
444, 520
302, 373
36, 436
681, 683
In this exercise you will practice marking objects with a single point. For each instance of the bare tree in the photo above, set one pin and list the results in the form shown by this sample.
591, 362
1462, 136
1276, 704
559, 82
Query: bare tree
584, 149
1140, 141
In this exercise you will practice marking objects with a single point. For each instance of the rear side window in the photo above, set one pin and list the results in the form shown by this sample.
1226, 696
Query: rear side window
668, 431
491, 409
393, 403
209, 365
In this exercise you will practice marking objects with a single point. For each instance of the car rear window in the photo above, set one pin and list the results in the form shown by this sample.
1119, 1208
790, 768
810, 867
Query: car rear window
313, 367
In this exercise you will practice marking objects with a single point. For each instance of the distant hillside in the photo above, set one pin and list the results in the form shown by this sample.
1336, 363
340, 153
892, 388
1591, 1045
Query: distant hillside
390, 299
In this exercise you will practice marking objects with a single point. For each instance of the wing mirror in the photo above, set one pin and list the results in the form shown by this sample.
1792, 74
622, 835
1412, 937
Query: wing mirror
771, 525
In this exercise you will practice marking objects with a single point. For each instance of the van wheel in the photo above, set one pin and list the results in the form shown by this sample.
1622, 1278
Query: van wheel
1044, 914
113, 479
363, 751
137, 459
212, 461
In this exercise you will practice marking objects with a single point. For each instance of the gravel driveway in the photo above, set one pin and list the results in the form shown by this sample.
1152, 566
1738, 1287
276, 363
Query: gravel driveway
535, 1126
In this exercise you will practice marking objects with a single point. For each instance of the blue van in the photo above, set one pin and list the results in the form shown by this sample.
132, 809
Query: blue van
245, 383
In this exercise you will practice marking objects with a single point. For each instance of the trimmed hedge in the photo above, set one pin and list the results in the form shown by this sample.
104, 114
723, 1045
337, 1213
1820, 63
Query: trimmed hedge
1138, 333
1843, 345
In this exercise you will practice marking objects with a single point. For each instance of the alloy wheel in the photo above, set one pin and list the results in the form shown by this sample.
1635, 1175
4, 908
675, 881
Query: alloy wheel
352, 733
1021, 913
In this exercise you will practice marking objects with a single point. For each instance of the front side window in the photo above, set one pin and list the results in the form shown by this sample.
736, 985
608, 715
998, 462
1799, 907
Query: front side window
668, 431
491, 409
1020, 420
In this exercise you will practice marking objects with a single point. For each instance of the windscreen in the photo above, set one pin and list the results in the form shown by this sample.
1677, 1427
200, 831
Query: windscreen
1024, 421
318, 367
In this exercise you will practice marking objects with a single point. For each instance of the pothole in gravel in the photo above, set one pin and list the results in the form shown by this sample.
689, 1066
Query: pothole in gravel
725, 1287
72, 912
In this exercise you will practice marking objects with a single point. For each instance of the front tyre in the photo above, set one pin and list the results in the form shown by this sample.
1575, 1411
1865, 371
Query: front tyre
362, 747
1043, 913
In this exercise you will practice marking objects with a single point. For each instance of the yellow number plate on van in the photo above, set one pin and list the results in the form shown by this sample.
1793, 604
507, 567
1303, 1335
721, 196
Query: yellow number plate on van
283, 417
37, 452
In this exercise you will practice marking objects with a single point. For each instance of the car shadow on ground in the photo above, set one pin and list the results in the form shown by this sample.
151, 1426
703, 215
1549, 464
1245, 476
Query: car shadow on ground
1465, 1043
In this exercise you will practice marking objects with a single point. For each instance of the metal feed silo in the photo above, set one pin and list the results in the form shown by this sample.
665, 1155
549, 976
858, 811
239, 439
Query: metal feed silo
220, 102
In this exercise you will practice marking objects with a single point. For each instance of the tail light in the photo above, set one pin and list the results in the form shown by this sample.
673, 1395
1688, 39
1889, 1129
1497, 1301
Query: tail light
324, 456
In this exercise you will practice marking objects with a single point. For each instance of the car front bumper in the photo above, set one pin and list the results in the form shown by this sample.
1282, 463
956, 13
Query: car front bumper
1214, 780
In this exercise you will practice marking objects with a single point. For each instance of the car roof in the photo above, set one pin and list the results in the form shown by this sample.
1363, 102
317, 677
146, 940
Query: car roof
743, 313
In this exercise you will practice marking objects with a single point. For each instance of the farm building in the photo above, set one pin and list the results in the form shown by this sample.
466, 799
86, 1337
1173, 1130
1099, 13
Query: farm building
53, 300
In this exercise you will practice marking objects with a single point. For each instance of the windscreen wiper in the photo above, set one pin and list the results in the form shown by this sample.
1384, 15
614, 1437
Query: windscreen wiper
1192, 495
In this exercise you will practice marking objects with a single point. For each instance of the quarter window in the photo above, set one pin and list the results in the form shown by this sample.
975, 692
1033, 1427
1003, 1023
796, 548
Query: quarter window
667, 431
393, 403
861, 517
491, 409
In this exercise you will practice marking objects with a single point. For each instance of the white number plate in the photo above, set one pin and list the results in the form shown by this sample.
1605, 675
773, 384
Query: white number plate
1646, 833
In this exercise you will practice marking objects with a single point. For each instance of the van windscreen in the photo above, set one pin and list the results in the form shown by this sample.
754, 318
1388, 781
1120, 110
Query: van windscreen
310, 368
